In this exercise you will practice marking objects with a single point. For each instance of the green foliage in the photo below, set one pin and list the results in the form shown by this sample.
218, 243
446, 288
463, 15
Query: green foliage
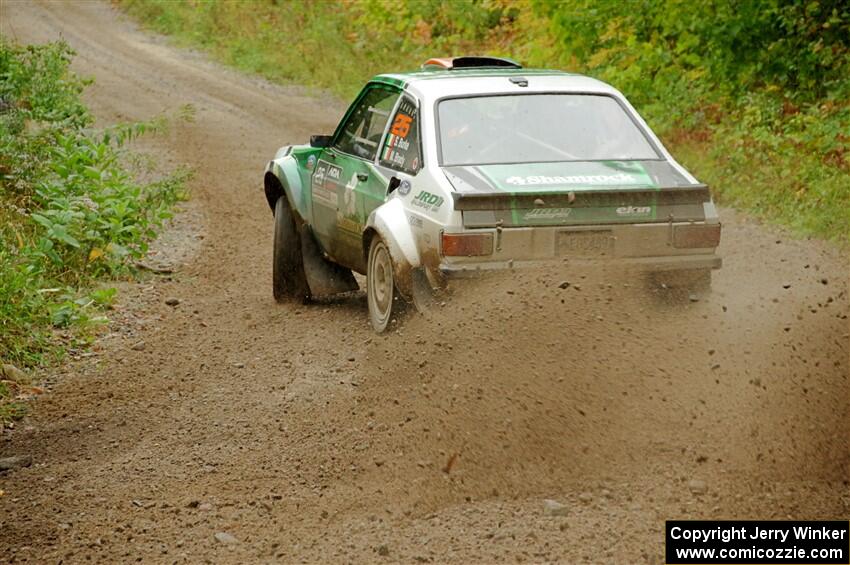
10, 410
315, 43
70, 214
754, 96
35, 78
668, 55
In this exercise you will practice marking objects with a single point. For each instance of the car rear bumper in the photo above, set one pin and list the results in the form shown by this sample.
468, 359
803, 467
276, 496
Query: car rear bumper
644, 247
644, 264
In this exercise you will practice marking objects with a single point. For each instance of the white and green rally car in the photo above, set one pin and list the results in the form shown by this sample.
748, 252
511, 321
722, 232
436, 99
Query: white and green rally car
474, 163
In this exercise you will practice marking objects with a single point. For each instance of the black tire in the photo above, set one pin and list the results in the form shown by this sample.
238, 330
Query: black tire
288, 279
382, 296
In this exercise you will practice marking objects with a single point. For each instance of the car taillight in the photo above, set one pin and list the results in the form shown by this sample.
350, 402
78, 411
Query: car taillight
702, 235
466, 244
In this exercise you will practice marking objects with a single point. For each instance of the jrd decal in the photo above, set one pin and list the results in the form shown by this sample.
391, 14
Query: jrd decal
427, 201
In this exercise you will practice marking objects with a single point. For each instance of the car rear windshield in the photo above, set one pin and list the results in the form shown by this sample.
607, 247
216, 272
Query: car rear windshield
535, 128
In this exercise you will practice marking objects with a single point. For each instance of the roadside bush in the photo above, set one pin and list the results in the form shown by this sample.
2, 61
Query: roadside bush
753, 96
70, 213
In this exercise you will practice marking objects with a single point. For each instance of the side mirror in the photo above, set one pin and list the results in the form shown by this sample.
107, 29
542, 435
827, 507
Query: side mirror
320, 140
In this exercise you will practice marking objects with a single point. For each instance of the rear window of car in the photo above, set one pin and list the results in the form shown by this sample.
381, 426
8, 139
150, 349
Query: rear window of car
536, 128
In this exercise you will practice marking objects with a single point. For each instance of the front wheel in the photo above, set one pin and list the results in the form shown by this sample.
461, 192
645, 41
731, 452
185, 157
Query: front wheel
381, 293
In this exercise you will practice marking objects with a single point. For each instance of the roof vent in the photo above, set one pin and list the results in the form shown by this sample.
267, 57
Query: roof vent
452, 63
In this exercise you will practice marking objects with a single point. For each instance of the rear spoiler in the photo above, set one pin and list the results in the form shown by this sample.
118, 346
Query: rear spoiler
691, 194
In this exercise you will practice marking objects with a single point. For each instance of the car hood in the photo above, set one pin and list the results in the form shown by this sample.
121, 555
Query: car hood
564, 177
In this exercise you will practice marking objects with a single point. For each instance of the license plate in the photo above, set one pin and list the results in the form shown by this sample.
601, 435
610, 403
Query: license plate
584, 243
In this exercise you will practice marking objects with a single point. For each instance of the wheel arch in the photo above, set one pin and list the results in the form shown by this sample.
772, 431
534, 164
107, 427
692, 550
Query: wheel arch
390, 223
281, 178
273, 189
368, 234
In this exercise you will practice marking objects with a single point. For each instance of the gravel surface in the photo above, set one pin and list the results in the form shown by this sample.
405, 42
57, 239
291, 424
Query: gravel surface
527, 420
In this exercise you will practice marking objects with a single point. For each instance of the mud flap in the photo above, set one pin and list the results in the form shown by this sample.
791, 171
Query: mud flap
323, 277
422, 293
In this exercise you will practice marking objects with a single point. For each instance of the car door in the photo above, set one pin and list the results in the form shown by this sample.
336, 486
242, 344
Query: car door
345, 183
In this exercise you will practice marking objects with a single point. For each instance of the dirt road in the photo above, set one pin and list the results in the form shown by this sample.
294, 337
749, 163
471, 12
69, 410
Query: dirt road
307, 438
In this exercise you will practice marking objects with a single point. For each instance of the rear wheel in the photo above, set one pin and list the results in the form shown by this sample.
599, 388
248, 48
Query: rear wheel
381, 293
288, 279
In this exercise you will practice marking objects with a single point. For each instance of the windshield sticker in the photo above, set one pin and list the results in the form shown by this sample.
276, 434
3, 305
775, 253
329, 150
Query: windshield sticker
620, 178
401, 148
561, 176
401, 125
394, 153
